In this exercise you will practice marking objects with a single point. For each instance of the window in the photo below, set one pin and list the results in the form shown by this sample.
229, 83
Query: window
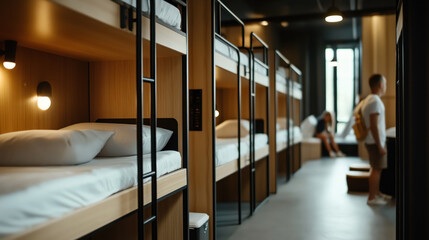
340, 84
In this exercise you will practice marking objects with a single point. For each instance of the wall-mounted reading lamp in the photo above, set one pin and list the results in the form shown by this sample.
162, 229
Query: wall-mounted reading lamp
44, 94
333, 14
9, 53
216, 113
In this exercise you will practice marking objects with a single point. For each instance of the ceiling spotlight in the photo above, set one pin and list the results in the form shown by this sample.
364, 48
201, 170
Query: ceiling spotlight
264, 23
284, 24
333, 14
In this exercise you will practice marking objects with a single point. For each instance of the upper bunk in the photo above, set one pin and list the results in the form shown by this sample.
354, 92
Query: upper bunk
283, 80
89, 29
295, 82
232, 59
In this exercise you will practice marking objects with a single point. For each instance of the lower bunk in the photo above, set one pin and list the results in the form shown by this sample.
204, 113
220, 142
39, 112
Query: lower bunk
90, 200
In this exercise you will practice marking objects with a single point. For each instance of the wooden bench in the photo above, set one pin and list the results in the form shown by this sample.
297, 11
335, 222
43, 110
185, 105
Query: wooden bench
357, 181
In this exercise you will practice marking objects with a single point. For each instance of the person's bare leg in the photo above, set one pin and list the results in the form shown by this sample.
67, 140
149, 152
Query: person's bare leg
334, 144
374, 183
325, 141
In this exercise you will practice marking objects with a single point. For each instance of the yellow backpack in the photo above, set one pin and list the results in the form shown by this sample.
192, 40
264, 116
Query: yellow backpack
359, 127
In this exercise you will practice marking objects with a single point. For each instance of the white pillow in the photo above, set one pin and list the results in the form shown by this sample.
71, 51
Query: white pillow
51, 147
229, 128
308, 127
124, 140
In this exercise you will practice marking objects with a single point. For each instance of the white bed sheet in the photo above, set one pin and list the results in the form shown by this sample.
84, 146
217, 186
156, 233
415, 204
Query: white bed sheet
166, 12
227, 148
281, 136
33, 195
229, 52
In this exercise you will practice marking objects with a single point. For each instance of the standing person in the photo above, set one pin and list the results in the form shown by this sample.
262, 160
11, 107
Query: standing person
374, 116
324, 133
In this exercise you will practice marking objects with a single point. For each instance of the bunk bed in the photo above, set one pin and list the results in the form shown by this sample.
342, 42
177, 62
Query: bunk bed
295, 83
259, 109
93, 32
281, 118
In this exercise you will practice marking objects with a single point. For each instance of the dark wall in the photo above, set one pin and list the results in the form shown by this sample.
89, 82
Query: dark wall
303, 43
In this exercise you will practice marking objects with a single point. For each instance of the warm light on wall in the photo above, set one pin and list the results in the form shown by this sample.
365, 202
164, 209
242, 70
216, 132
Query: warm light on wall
264, 23
44, 94
216, 113
9, 53
284, 24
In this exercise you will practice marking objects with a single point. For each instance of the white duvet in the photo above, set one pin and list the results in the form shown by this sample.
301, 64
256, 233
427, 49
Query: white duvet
164, 11
33, 195
227, 148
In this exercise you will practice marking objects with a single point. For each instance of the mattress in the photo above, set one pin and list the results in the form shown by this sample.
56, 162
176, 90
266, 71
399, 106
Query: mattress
33, 195
227, 148
230, 52
296, 135
165, 12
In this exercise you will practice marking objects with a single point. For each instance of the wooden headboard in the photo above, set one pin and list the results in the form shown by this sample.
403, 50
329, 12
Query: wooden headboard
167, 123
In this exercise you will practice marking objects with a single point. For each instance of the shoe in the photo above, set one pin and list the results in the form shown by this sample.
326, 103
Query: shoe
332, 154
377, 201
340, 154
385, 196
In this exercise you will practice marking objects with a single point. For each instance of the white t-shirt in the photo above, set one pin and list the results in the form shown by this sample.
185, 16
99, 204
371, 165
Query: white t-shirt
370, 105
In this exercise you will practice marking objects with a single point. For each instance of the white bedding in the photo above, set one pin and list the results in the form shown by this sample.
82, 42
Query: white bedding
281, 135
227, 148
229, 52
166, 12
32, 195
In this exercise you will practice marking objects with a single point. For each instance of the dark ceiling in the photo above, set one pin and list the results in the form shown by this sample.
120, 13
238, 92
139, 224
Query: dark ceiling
256, 9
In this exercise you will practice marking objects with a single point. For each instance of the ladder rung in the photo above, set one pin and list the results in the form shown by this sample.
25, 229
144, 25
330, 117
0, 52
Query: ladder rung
149, 174
151, 219
149, 80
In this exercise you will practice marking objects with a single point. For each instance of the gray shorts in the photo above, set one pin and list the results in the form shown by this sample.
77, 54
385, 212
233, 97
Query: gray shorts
375, 160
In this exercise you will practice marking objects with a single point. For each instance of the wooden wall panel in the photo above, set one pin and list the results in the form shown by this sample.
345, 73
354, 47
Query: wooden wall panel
201, 179
113, 90
378, 56
18, 90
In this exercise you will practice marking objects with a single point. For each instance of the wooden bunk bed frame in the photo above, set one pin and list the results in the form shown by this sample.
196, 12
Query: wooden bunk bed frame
78, 29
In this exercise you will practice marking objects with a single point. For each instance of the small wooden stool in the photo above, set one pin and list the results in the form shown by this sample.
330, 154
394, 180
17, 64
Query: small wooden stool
360, 167
357, 181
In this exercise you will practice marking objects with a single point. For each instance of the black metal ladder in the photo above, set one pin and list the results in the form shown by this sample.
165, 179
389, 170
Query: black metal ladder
252, 99
286, 62
153, 219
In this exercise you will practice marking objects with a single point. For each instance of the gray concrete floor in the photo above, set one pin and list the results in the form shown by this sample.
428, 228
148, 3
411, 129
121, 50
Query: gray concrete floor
315, 205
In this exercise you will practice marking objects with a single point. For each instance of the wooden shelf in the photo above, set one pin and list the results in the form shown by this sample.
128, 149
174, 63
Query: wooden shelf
81, 29
87, 219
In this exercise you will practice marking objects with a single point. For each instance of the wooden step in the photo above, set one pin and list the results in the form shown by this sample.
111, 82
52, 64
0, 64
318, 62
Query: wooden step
357, 181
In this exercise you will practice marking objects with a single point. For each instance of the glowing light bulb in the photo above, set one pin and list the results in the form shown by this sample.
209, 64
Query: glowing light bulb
9, 65
334, 18
264, 23
43, 103
216, 113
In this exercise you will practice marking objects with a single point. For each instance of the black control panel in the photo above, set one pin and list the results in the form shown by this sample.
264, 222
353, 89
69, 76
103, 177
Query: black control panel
195, 110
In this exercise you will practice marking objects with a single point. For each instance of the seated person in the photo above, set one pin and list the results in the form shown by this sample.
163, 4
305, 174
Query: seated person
324, 132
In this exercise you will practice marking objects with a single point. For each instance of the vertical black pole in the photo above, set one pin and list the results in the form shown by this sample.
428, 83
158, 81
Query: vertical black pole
139, 87
335, 71
153, 118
